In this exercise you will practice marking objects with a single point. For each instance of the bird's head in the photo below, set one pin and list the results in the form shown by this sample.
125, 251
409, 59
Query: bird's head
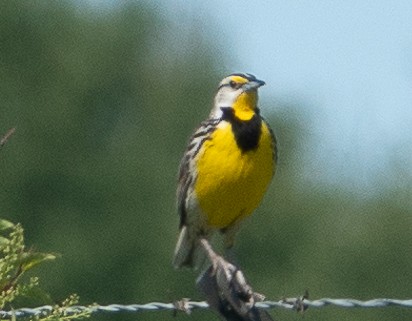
239, 92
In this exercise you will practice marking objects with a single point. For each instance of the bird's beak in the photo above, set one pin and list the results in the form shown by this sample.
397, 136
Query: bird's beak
253, 85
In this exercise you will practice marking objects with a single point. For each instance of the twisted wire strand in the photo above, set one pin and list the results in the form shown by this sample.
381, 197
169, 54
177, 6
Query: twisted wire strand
188, 306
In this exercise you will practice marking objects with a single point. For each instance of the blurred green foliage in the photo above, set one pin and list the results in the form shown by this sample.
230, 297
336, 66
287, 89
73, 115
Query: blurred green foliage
15, 291
104, 101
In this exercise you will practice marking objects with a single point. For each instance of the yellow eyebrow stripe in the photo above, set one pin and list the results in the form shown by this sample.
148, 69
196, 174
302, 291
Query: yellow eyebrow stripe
239, 79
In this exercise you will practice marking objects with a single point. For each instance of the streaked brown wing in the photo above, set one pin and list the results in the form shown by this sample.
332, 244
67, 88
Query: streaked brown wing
187, 170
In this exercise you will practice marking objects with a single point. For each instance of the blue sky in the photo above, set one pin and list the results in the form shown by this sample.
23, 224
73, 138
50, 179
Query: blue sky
350, 62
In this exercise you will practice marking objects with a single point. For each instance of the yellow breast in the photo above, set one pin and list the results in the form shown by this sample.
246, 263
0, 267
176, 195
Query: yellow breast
230, 184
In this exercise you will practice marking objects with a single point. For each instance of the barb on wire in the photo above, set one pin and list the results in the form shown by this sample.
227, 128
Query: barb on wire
291, 304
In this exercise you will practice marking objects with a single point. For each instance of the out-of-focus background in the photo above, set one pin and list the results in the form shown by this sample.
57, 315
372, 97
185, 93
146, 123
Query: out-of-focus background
105, 94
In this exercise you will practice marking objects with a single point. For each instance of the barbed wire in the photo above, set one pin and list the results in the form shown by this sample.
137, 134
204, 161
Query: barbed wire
187, 306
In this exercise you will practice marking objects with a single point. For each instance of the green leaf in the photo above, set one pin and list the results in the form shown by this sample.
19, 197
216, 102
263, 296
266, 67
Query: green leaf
5, 225
31, 259
4, 241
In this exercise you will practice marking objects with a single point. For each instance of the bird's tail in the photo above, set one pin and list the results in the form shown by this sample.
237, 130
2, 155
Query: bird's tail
188, 252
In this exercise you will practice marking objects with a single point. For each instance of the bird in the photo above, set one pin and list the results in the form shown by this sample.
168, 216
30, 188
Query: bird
225, 171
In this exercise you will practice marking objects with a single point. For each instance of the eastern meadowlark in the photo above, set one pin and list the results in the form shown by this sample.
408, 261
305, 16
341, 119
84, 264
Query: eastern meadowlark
226, 169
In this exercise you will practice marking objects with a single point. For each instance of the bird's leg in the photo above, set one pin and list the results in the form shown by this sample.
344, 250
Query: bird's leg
222, 270
211, 254
226, 288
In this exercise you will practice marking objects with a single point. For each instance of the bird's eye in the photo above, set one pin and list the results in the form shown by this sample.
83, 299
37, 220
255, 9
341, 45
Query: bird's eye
233, 84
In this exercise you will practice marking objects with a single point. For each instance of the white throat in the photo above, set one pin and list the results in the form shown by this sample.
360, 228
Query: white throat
224, 98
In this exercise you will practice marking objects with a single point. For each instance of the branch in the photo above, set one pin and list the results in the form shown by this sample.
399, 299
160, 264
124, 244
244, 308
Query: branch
6, 137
